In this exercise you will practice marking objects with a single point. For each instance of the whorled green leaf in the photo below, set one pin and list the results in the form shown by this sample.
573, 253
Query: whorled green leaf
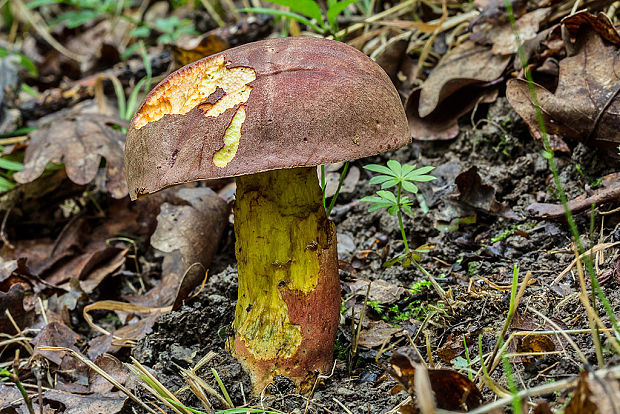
379, 169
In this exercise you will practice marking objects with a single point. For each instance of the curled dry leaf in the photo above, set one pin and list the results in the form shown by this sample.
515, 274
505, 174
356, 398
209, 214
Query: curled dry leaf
452, 390
600, 23
503, 37
110, 403
442, 123
594, 395
377, 334
466, 64
381, 291
480, 196
79, 138
55, 334
189, 228
585, 106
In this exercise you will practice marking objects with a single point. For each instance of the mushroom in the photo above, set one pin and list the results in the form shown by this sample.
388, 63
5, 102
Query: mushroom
267, 113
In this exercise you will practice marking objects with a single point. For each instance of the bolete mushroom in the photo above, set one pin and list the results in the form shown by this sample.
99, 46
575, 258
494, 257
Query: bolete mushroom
268, 113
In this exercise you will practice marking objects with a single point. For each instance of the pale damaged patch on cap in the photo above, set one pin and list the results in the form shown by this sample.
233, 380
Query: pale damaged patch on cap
231, 140
192, 86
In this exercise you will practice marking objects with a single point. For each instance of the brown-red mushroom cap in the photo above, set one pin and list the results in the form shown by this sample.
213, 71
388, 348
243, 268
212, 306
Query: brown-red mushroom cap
273, 104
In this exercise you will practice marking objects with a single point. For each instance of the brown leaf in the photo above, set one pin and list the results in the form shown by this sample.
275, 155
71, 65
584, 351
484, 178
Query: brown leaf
377, 333
191, 227
78, 138
481, 196
110, 403
190, 49
442, 123
600, 23
391, 57
594, 395
585, 105
104, 269
9, 397
107, 344
55, 334
13, 301
503, 37
381, 291
452, 390
466, 64
111, 366
451, 349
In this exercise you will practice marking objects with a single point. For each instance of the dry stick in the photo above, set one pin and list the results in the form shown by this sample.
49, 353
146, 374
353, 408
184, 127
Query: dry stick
344, 407
612, 340
2, 229
511, 313
614, 372
40, 26
19, 332
159, 385
596, 339
429, 43
101, 372
568, 338
359, 324
206, 387
423, 390
214, 15
427, 337
595, 249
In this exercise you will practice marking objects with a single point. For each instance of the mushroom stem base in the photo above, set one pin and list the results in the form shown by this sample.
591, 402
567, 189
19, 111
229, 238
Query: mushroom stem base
289, 291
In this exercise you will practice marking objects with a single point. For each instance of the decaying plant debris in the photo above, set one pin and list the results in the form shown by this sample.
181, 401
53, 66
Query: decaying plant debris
108, 305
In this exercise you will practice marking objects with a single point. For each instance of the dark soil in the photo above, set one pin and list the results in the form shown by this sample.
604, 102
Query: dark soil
471, 261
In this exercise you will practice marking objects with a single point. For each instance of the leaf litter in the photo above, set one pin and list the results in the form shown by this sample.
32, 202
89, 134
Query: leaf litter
84, 255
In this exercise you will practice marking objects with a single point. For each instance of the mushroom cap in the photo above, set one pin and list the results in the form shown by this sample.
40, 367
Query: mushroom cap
273, 104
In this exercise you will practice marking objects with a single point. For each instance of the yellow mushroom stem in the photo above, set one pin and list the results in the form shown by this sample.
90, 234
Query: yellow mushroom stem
289, 292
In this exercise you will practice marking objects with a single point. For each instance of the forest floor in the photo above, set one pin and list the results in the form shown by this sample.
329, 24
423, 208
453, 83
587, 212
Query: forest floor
86, 270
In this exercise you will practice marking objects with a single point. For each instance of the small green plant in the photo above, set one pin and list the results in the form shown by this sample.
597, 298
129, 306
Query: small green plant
593, 182
419, 286
402, 177
308, 12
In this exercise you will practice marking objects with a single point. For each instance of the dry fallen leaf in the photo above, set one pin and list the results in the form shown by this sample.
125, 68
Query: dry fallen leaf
452, 348
189, 228
381, 291
503, 37
442, 123
55, 334
585, 106
79, 138
110, 403
480, 196
594, 395
600, 23
377, 333
13, 302
452, 390
466, 64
